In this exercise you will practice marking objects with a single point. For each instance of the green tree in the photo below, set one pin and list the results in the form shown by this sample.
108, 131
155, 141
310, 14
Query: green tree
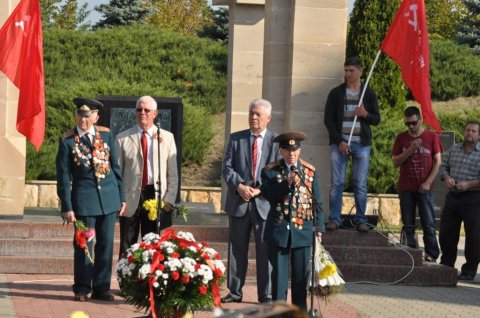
123, 12
444, 17
218, 30
66, 16
185, 16
369, 22
469, 30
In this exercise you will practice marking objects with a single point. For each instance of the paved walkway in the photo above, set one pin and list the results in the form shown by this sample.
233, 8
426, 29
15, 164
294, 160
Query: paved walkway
45, 296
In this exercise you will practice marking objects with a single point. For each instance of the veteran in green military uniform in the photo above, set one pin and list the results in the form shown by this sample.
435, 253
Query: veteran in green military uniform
291, 187
90, 188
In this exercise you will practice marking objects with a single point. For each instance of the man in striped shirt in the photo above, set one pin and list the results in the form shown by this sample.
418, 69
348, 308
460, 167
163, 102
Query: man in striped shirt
340, 110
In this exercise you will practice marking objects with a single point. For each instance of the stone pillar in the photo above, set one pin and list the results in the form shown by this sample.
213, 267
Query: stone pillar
12, 143
245, 59
305, 43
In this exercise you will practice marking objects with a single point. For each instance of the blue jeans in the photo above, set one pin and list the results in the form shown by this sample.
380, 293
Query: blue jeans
409, 201
360, 162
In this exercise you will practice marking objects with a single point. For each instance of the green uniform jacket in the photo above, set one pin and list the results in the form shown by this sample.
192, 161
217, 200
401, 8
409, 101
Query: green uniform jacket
282, 221
93, 191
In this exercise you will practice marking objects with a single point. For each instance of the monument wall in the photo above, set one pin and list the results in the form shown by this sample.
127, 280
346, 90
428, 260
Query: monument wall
12, 143
304, 44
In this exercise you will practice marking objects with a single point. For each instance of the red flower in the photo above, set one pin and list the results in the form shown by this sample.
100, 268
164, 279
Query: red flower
204, 243
202, 289
197, 266
131, 259
182, 245
185, 279
218, 272
80, 239
217, 256
175, 255
161, 267
175, 275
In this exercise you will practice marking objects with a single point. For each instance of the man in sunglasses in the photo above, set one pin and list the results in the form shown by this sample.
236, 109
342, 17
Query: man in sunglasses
418, 154
137, 152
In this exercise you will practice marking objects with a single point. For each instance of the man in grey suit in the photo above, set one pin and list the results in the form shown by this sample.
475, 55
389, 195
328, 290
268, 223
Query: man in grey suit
247, 152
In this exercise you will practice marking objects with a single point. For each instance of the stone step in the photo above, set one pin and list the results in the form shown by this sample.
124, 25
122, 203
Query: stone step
376, 255
25, 230
46, 247
427, 274
62, 247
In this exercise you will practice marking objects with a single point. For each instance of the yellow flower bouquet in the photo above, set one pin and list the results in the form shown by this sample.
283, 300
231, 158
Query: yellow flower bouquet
327, 279
177, 210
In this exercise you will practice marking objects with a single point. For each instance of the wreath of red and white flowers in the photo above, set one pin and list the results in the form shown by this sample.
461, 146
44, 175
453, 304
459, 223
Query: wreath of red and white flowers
169, 273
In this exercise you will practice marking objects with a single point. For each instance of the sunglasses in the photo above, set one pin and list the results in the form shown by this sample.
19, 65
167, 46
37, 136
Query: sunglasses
139, 110
411, 123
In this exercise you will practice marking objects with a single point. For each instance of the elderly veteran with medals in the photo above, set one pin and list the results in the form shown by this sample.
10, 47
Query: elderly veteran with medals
292, 188
90, 188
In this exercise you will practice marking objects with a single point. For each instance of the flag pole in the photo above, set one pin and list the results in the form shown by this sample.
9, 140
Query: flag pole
363, 94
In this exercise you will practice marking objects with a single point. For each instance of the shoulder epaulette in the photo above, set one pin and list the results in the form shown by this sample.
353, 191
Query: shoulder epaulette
102, 128
69, 133
272, 165
307, 165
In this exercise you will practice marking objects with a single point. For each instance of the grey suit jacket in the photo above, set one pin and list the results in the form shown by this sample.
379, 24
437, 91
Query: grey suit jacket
130, 160
237, 169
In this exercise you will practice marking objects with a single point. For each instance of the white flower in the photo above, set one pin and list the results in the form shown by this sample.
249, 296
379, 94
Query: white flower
219, 265
144, 271
206, 272
156, 284
173, 264
188, 266
147, 255
168, 247
210, 252
150, 238
186, 235
133, 248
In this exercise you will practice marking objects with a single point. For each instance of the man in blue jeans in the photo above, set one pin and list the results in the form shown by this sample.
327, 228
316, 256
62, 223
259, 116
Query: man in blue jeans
340, 110
417, 152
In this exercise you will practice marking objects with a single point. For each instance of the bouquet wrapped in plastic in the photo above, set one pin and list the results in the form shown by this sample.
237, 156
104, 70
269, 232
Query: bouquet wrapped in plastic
327, 278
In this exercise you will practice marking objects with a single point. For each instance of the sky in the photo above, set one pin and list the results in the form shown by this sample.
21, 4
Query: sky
94, 16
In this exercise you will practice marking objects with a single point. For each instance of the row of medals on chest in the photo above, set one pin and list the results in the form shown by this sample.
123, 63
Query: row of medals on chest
301, 204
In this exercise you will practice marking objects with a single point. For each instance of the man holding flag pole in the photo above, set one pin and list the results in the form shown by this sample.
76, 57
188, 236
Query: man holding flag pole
343, 107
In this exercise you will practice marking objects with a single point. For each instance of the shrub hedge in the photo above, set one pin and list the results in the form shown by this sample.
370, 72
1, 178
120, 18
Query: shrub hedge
130, 61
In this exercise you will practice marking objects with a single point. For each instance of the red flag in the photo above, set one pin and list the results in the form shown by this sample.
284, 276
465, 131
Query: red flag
407, 44
21, 59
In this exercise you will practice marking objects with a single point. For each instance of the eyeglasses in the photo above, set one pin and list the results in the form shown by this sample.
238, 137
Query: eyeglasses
411, 123
139, 110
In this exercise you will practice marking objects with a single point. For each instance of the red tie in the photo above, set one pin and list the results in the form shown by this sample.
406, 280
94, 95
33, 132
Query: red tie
254, 157
145, 156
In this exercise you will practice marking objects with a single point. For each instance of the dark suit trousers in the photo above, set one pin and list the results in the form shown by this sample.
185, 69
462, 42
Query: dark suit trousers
458, 207
299, 259
240, 229
139, 222
97, 277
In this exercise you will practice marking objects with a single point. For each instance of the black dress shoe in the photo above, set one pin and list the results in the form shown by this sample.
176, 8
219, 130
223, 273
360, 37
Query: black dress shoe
229, 299
265, 301
105, 296
465, 277
80, 296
